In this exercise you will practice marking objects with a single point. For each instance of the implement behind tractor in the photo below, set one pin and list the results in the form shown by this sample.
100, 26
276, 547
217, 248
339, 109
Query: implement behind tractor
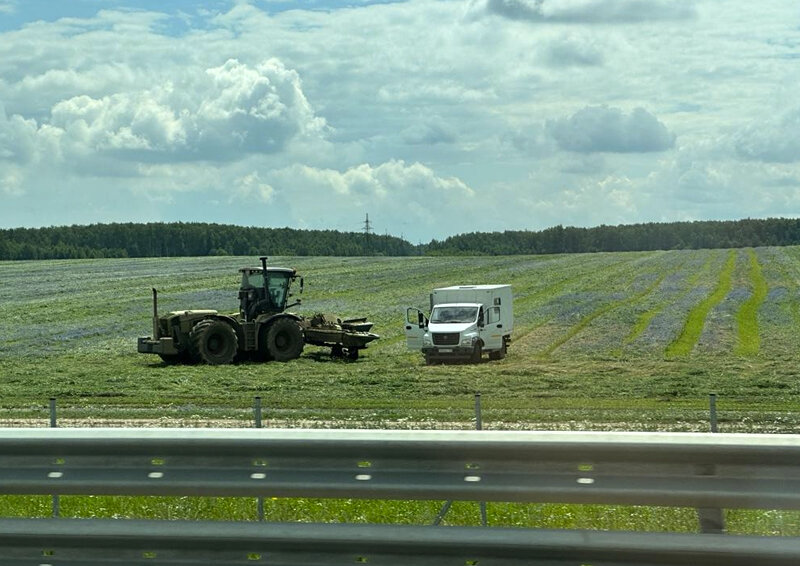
261, 330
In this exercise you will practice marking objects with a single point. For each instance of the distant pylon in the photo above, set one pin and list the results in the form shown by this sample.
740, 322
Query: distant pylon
367, 232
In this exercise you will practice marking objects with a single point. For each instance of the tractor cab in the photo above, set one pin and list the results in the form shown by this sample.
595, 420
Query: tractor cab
265, 290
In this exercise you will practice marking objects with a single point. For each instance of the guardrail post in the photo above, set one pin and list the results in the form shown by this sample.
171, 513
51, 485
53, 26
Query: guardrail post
54, 424
257, 416
257, 412
711, 519
447, 504
712, 406
479, 426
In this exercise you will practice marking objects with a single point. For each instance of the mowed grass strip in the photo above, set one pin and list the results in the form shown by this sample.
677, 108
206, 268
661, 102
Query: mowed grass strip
749, 342
693, 327
585, 321
646, 317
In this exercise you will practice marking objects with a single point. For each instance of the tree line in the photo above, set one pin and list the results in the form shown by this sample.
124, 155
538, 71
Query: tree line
180, 239
629, 237
202, 239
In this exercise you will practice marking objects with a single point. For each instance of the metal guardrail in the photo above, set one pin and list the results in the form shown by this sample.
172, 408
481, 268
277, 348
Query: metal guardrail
665, 469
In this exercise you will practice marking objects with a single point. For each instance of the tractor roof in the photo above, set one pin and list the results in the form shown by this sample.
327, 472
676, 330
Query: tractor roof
269, 269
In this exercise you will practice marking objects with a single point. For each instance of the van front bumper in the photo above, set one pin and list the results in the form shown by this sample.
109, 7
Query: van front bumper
447, 352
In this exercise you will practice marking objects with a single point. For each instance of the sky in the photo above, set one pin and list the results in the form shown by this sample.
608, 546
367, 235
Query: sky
434, 118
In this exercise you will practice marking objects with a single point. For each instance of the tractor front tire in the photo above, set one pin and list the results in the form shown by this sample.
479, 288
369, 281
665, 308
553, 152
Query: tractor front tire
285, 340
214, 342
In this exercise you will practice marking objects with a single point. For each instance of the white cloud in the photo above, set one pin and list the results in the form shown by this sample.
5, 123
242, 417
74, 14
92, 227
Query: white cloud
771, 141
571, 50
588, 11
603, 129
17, 138
429, 132
230, 111
413, 196
251, 187
11, 179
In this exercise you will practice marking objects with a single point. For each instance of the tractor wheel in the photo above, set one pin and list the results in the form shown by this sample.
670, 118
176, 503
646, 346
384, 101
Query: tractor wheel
352, 353
477, 352
285, 340
214, 342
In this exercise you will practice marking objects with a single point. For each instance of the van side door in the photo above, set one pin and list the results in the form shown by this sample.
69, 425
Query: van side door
416, 326
492, 331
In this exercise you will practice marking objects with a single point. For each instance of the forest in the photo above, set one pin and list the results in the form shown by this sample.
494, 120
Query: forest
179, 239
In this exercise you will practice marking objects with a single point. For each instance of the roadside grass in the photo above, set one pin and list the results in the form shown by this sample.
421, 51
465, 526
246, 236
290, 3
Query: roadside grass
693, 327
748, 343
462, 513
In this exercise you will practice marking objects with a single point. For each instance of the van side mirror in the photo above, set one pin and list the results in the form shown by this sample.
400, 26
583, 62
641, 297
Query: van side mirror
421, 320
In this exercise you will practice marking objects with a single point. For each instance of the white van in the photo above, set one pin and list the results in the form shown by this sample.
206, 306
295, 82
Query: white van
465, 321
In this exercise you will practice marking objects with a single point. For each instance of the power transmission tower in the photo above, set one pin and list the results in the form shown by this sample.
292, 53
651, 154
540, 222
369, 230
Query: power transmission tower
367, 232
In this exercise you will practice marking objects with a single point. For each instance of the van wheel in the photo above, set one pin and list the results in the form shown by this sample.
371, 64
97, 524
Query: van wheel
499, 354
477, 353
285, 340
214, 342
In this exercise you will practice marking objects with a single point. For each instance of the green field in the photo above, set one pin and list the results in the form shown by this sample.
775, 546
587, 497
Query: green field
627, 341
621, 341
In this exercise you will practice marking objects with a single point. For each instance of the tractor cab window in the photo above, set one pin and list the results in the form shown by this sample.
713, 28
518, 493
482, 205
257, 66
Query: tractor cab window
278, 286
252, 279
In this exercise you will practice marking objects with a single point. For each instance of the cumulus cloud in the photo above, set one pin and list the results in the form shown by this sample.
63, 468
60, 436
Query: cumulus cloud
587, 11
17, 137
411, 193
11, 179
251, 187
229, 111
771, 141
430, 132
604, 129
571, 51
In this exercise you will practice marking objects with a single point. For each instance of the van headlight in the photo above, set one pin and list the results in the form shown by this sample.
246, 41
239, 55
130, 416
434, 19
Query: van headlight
426, 340
468, 340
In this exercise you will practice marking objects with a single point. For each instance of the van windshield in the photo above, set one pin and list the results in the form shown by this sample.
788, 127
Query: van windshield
445, 315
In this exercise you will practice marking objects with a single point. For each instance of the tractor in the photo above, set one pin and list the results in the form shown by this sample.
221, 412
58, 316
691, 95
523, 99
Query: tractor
261, 330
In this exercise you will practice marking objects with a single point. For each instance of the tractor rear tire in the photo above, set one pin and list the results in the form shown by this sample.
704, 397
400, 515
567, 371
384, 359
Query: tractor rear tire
285, 340
214, 342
